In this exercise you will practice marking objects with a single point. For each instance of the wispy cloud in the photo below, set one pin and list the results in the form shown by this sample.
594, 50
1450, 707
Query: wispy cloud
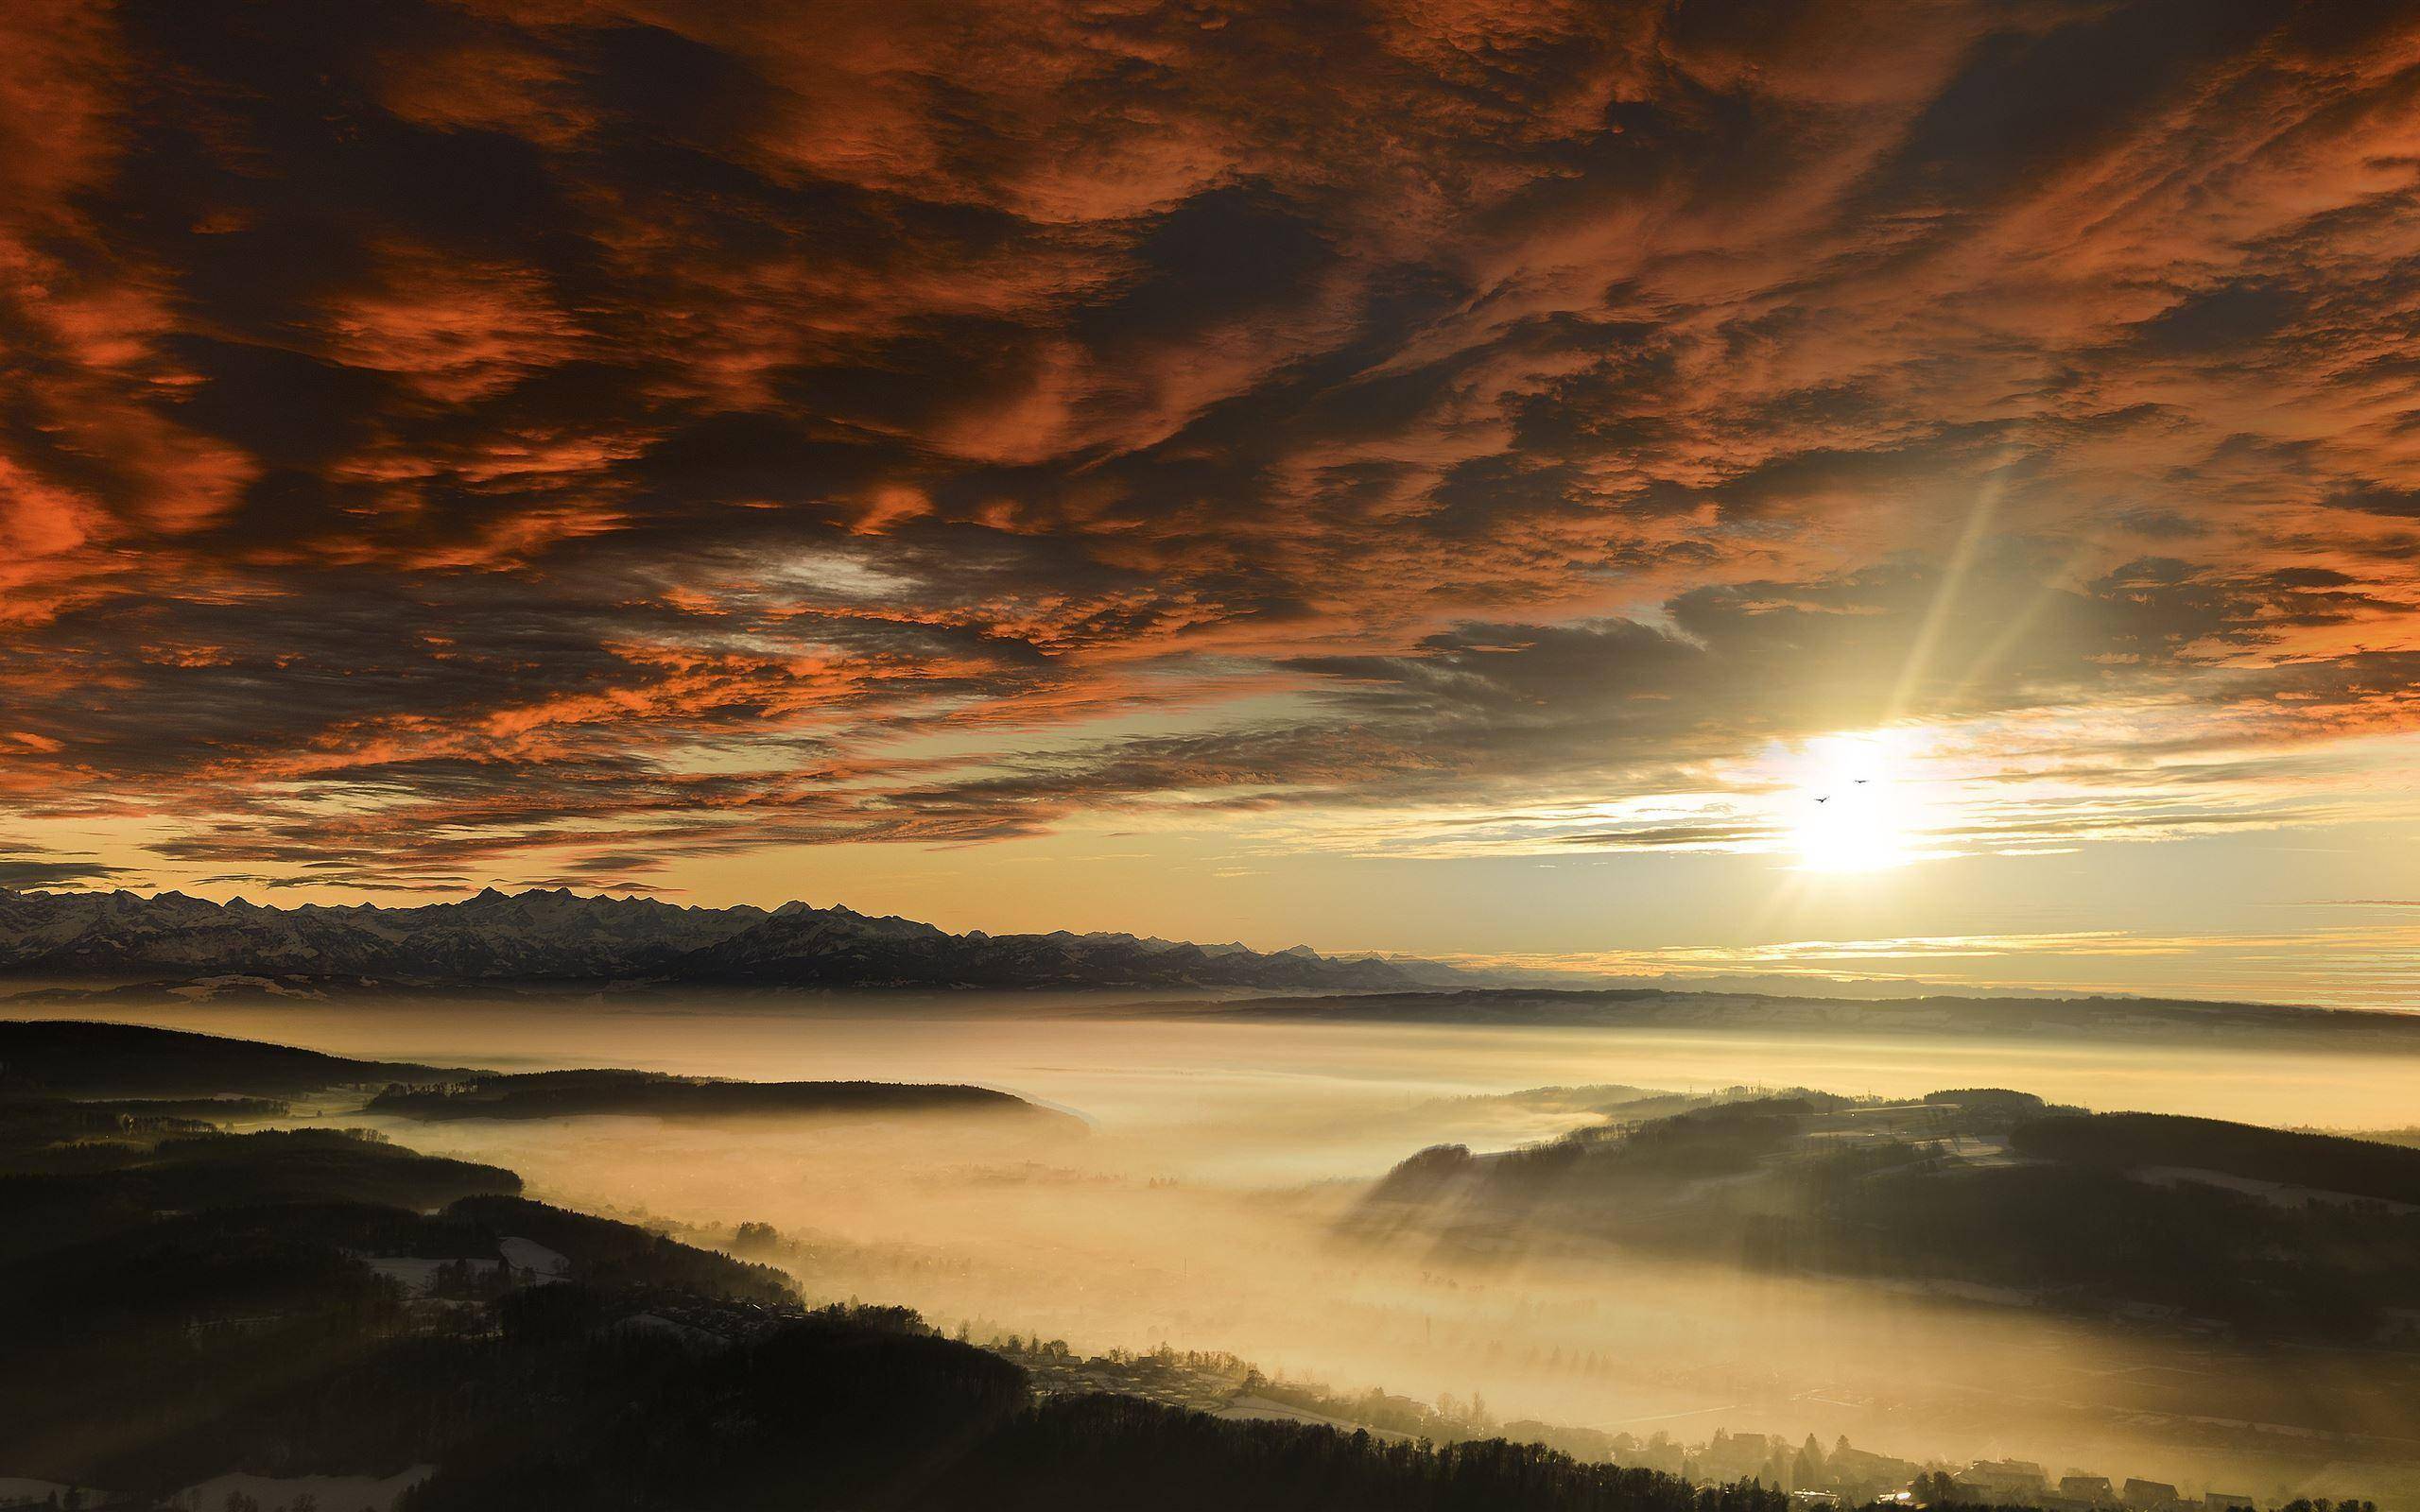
2366, 967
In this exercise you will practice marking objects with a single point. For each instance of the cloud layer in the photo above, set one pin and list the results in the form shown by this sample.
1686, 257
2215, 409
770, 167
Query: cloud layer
514, 438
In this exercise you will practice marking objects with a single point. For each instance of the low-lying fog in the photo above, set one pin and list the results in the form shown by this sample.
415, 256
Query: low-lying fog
1196, 1213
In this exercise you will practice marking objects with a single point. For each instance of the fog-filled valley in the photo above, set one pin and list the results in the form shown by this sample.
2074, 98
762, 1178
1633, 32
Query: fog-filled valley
1222, 1185
1043, 756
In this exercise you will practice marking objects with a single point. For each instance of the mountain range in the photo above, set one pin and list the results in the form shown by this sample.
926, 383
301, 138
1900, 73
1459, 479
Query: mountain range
564, 936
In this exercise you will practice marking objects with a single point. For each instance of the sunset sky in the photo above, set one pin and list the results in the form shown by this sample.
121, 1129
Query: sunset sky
1927, 489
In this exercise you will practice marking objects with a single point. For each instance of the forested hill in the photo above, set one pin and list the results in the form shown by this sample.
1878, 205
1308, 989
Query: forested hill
2207, 1224
66, 1058
2303, 1160
74, 1059
568, 1093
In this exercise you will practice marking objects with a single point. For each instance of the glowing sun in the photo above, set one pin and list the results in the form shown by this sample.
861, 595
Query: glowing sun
1847, 810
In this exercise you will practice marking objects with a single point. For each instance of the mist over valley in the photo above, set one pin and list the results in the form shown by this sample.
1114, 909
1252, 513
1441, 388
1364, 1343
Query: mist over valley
1819, 1234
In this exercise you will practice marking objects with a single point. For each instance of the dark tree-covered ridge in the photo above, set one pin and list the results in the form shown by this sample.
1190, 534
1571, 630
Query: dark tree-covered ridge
2209, 1223
568, 1093
2323, 1163
79, 1059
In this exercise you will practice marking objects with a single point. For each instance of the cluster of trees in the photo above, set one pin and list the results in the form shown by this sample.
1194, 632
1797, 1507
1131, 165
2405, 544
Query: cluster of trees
829, 1416
1993, 1109
612, 1255
246, 1501
572, 1093
2090, 1233
1722, 1139
73, 1058
2326, 1162
121, 1187
1106, 1450
52, 1135
1939, 1492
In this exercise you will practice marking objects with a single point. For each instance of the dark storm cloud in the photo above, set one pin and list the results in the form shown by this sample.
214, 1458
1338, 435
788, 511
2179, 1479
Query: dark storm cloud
437, 432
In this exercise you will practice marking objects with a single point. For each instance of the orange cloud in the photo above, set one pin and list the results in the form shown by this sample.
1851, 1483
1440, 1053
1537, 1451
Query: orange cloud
538, 413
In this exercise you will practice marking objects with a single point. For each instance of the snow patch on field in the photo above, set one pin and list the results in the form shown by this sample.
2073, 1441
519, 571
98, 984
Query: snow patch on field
527, 1254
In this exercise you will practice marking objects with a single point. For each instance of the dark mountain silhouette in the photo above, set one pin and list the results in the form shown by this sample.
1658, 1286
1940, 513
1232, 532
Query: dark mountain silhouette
565, 937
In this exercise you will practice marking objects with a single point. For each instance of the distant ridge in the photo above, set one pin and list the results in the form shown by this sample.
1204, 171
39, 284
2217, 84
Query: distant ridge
2084, 1016
564, 936
569, 1094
